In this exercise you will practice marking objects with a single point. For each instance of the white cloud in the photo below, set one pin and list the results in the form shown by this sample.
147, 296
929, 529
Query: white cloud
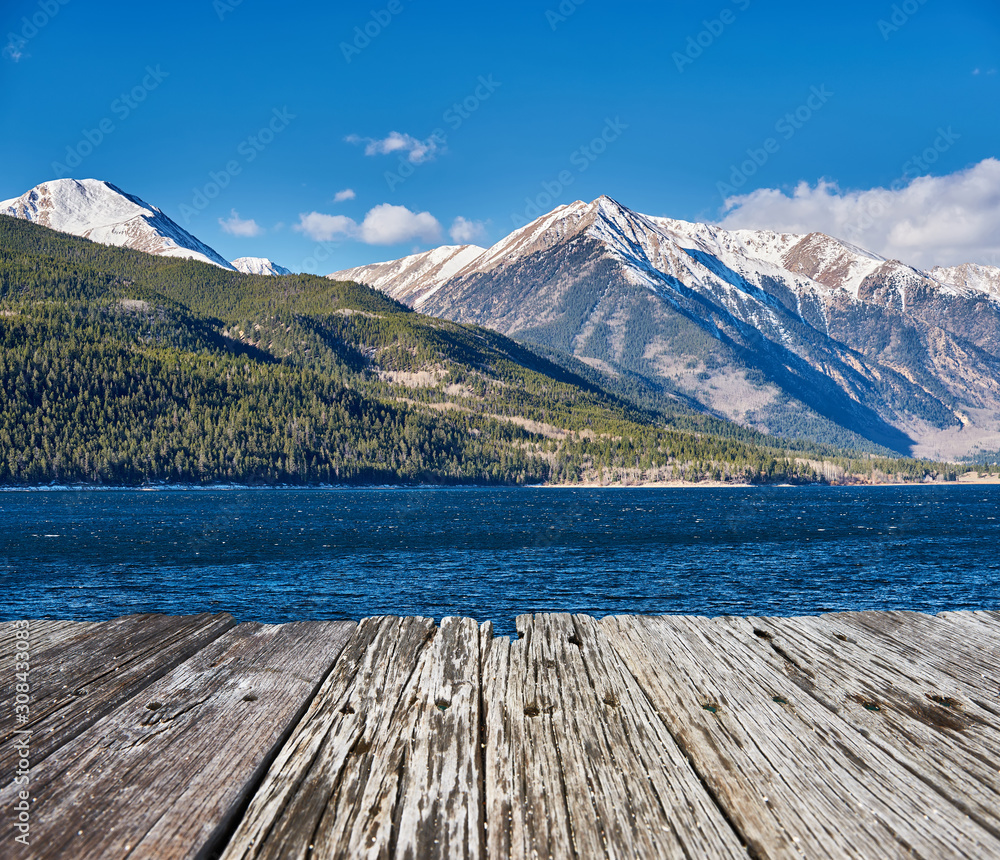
417, 151
925, 222
346, 194
14, 48
388, 225
236, 226
323, 228
467, 232
385, 224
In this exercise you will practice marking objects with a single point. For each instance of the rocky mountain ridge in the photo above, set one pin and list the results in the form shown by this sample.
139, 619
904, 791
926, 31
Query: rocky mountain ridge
795, 334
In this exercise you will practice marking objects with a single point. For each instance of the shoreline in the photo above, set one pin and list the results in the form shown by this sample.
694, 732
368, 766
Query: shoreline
969, 479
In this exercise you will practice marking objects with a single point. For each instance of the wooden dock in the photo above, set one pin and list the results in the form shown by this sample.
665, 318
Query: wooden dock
873, 734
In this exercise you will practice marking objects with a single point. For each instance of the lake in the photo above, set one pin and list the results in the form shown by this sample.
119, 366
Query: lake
279, 555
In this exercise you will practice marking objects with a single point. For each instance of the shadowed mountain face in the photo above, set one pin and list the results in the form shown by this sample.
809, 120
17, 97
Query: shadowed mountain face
797, 335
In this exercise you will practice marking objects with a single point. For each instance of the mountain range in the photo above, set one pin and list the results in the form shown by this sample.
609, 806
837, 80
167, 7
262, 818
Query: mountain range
794, 335
119, 367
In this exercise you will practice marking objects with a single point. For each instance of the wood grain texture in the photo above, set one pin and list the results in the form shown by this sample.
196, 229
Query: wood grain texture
844, 735
45, 633
86, 674
970, 657
920, 717
163, 774
577, 762
792, 774
385, 763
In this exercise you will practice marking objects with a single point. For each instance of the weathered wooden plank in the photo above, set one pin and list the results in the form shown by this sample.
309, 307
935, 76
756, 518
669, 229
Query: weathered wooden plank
44, 633
440, 807
77, 681
792, 776
900, 788
48, 629
990, 619
753, 775
915, 716
984, 627
164, 774
577, 762
930, 662
386, 761
950, 648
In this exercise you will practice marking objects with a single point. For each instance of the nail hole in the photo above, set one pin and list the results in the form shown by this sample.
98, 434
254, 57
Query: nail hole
711, 707
842, 637
781, 700
347, 709
249, 697
763, 634
867, 704
442, 705
152, 706
80, 692
611, 699
945, 701
531, 710
575, 640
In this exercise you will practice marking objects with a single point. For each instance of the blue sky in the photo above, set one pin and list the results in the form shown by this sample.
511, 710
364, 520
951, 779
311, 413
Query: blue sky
669, 108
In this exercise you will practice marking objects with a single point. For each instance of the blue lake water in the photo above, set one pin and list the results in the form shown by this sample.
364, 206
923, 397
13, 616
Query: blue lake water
280, 555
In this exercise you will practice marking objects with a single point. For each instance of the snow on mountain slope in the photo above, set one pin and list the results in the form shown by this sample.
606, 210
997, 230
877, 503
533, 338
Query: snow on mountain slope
416, 278
780, 331
99, 211
656, 251
969, 276
259, 266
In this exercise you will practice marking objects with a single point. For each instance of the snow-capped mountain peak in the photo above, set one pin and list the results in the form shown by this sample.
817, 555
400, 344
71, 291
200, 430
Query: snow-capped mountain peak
415, 278
657, 252
781, 331
101, 212
259, 266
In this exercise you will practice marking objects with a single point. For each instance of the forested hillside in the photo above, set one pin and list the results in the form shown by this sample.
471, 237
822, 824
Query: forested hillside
118, 367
